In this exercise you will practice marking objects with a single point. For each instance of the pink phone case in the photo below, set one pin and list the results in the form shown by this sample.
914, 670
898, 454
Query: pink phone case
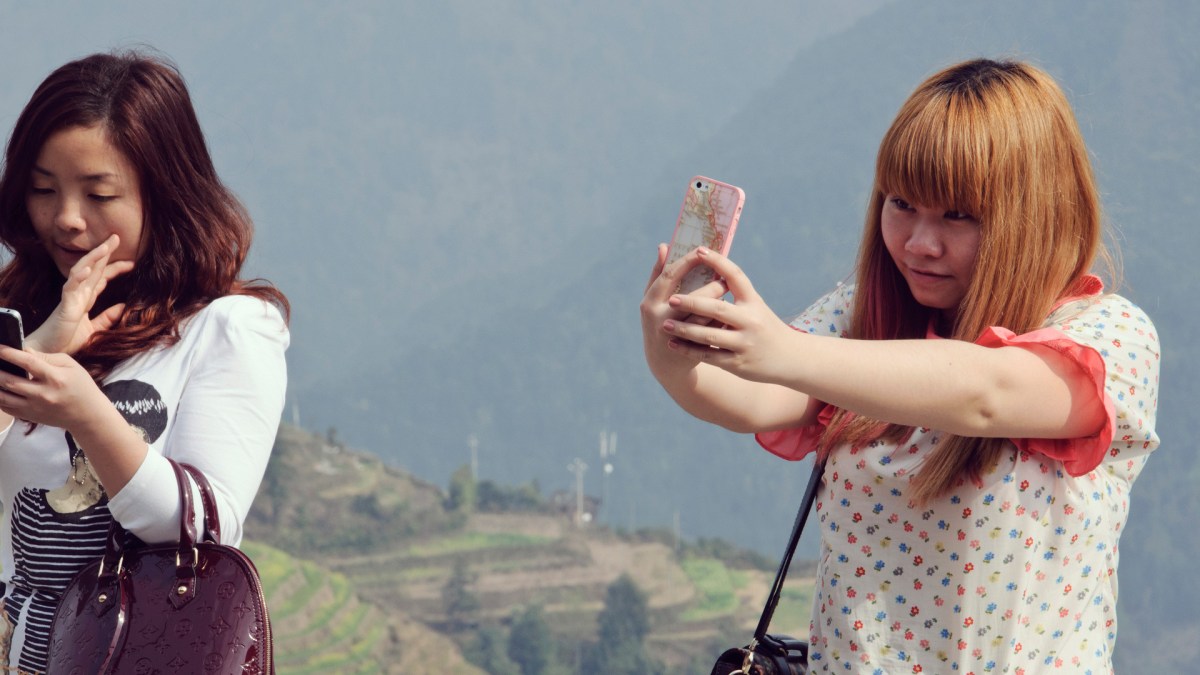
708, 217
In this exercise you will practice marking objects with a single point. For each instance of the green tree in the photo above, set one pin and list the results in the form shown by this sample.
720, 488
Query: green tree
624, 623
530, 644
278, 481
463, 492
460, 603
494, 498
487, 652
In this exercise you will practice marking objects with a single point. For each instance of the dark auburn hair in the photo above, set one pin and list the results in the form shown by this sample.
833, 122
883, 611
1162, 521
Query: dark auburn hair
197, 232
998, 140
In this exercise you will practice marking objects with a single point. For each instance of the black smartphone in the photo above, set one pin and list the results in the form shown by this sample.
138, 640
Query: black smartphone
12, 333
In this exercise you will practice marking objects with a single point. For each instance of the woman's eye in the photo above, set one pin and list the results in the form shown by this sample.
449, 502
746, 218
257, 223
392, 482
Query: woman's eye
102, 198
901, 204
958, 215
40, 191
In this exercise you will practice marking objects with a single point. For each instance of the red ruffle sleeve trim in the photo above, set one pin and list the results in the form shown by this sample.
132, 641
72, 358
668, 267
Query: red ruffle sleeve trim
795, 444
1078, 455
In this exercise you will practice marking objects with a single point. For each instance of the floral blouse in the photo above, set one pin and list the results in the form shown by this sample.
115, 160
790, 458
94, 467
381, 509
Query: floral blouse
1015, 576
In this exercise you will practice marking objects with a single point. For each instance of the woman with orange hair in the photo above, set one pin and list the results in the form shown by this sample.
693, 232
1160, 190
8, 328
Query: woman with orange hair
983, 405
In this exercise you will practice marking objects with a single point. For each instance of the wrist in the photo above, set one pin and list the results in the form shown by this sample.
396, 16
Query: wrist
54, 336
33, 345
792, 369
95, 417
33, 342
43, 340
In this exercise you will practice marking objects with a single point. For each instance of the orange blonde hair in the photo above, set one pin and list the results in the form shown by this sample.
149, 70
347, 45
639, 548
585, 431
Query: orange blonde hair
998, 140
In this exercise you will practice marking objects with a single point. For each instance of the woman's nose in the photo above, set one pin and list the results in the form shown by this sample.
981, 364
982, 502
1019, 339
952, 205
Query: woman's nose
69, 216
924, 240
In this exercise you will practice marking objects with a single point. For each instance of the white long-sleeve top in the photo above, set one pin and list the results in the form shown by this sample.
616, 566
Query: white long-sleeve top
212, 400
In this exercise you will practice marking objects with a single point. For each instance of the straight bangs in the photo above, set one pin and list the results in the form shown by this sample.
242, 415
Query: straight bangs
937, 152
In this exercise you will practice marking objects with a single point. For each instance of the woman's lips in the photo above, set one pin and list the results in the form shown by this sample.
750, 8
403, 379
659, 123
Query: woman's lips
926, 274
68, 256
71, 250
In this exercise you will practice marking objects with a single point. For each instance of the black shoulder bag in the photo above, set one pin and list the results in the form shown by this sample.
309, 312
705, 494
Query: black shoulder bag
775, 654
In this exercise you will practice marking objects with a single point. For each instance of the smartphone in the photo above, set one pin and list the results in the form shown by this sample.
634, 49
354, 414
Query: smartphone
12, 333
708, 217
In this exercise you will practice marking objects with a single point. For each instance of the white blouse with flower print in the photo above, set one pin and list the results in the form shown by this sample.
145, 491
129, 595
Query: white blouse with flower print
1017, 575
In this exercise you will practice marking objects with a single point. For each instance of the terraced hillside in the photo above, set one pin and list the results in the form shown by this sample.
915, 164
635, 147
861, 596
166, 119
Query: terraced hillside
383, 547
321, 626
537, 559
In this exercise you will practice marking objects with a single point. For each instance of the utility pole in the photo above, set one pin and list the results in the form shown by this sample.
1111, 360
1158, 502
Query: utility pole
473, 443
608, 448
678, 530
578, 467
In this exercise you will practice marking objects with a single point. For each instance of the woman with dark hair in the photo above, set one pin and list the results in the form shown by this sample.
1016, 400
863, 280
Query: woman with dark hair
145, 343
983, 406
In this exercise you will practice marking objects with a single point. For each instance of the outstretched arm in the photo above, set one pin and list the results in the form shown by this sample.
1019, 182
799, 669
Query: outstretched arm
955, 386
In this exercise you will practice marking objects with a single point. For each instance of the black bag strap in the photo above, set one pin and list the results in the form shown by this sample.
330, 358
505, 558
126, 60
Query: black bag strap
810, 496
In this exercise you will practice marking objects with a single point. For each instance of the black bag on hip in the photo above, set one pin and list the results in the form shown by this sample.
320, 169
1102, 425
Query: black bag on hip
769, 654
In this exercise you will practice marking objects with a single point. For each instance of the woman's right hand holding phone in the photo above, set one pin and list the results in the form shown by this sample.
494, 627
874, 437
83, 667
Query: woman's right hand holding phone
709, 392
70, 325
656, 308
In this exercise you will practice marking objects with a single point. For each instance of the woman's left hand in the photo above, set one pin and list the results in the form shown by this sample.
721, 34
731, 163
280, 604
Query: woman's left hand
743, 337
58, 391
70, 326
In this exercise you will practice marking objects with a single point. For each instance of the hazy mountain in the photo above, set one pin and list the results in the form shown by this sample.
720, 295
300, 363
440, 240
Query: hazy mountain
462, 202
411, 165
557, 368
426, 175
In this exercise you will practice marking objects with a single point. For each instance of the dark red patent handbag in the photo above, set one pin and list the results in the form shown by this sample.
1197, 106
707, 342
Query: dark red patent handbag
192, 607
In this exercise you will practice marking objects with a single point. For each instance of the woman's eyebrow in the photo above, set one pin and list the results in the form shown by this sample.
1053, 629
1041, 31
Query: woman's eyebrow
89, 177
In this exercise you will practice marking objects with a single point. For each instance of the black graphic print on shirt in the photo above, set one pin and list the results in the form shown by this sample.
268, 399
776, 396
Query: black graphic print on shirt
58, 532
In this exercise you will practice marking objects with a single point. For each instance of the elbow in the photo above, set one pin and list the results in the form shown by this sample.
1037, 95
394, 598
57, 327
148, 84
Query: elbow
736, 423
731, 420
739, 426
983, 423
979, 417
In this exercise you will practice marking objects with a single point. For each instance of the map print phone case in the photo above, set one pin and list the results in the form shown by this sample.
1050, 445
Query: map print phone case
708, 217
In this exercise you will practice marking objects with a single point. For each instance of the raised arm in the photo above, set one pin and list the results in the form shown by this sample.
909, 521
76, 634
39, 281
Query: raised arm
954, 386
70, 325
704, 390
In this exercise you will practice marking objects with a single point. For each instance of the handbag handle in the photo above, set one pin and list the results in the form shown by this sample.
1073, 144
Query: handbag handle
114, 549
810, 496
186, 556
212, 522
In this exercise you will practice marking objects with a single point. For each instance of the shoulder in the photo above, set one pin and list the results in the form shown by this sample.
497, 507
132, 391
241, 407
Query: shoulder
239, 315
829, 315
1105, 318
